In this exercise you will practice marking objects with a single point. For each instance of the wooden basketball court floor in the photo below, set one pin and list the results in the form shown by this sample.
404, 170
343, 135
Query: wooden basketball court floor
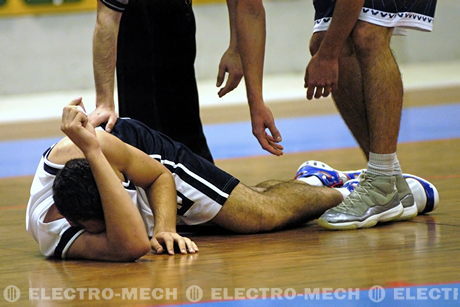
232, 268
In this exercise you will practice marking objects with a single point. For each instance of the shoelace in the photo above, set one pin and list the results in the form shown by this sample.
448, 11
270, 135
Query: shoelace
356, 195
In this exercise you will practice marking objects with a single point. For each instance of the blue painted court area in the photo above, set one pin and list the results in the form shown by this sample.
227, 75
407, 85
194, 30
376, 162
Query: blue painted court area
445, 295
329, 132
233, 140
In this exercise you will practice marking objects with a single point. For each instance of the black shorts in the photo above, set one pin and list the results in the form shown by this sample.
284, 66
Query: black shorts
398, 14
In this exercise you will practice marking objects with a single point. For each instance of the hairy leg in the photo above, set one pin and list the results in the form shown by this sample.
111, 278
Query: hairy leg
349, 97
264, 185
383, 90
281, 205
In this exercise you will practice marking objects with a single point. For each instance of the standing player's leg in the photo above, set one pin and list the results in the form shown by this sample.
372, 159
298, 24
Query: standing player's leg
155, 71
348, 97
382, 85
377, 199
383, 94
280, 205
176, 85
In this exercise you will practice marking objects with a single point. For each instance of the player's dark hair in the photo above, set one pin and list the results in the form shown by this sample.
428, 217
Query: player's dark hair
75, 192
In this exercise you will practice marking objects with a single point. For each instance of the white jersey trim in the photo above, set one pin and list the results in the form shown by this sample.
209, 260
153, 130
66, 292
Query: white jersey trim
399, 21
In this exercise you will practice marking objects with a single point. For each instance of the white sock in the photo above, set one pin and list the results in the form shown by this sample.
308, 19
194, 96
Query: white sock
381, 164
344, 191
396, 167
312, 180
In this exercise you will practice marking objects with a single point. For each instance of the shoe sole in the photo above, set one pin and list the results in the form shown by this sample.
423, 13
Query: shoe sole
371, 221
408, 213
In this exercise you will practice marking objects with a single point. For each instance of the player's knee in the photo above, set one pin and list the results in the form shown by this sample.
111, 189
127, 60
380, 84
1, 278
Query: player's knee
369, 39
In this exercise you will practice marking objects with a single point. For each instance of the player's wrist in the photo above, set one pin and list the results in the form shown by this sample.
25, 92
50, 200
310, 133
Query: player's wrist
160, 228
106, 103
93, 153
329, 51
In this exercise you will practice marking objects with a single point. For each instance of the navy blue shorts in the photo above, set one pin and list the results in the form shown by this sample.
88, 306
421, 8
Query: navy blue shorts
202, 187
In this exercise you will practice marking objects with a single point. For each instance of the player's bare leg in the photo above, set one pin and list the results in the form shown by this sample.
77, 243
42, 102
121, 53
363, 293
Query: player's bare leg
349, 96
382, 84
281, 205
383, 194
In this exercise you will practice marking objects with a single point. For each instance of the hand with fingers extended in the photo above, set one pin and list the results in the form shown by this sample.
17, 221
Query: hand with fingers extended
165, 241
230, 64
76, 126
262, 119
103, 114
321, 77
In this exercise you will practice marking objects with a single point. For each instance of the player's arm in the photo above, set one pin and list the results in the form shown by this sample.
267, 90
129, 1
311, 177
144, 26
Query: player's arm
321, 76
250, 26
159, 184
230, 63
104, 62
346, 13
125, 237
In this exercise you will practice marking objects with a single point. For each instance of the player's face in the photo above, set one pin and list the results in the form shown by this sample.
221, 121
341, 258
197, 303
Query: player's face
93, 226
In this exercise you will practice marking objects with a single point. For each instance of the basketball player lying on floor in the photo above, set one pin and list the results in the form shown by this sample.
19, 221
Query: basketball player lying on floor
118, 195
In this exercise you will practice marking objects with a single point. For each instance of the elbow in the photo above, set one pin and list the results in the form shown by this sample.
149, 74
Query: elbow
132, 252
142, 249
133, 255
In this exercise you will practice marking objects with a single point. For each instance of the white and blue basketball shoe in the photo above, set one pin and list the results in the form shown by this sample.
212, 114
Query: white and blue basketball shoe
417, 195
425, 195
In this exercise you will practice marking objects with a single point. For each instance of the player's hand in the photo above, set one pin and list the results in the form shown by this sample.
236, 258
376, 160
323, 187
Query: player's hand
165, 241
262, 119
75, 125
321, 77
103, 114
230, 64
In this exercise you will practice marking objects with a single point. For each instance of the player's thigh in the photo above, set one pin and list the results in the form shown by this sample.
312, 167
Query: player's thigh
317, 39
366, 35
